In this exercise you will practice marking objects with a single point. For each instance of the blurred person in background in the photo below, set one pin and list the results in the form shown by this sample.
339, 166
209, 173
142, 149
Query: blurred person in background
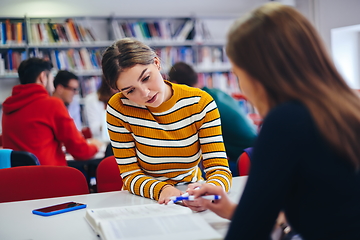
35, 122
237, 129
66, 86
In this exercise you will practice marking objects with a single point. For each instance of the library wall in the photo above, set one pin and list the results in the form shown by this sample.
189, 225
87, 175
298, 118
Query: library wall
345, 48
335, 14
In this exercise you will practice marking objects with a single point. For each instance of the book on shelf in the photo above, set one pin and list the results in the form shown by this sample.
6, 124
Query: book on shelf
82, 33
85, 56
53, 31
73, 29
150, 221
3, 32
8, 31
70, 31
35, 38
9, 60
49, 33
128, 29
185, 30
117, 30
2, 66
78, 61
153, 31
19, 32
62, 33
138, 33
202, 31
144, 30
43, 33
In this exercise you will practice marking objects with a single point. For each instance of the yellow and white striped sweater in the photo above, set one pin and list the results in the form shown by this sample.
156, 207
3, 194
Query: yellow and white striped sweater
164, 145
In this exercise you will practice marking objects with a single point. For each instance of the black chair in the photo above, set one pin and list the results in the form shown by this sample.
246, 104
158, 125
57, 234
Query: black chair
22, 158
12, 158
109, 151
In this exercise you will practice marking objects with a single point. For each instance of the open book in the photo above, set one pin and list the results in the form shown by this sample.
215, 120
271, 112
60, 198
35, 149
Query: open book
150, 222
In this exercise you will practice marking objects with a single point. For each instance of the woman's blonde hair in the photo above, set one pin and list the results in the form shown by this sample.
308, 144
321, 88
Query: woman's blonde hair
280, 48
123, 54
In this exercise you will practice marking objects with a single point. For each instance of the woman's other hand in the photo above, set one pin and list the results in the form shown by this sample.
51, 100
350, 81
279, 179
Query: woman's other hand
168, 191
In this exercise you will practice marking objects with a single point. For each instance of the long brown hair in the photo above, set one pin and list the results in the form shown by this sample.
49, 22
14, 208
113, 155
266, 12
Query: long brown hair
281, 49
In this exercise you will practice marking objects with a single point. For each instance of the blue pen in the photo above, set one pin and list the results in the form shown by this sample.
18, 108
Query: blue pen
187, 194
184, 195
192, 198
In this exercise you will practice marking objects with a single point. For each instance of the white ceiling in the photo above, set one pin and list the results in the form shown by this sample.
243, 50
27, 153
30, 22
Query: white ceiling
125, 8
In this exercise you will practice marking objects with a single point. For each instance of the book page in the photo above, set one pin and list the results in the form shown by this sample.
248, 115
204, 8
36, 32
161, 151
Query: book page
174, 227
94, 216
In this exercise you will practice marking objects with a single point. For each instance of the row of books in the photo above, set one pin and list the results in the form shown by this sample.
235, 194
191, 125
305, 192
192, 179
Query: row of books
12, 33
78, 60
10, 61
68, 32
74, 30
205, 58
171, 55
163, 29
211, 56
85, 59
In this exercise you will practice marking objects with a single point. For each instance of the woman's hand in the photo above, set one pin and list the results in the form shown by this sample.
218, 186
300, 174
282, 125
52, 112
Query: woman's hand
222, 207
168, 191
194, 205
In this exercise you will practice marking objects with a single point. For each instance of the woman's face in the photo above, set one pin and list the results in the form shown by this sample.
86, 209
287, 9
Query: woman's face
144, 85
253, 90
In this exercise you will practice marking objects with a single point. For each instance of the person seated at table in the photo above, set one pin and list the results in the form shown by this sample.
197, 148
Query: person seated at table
95, 111
237, 129
35, 122
306, 158
66, 86
160, 131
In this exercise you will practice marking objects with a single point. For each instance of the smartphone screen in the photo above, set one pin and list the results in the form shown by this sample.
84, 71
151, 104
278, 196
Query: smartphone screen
59, 208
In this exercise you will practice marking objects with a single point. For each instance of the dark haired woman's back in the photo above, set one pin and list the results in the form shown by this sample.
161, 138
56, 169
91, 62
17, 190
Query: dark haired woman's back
297, 171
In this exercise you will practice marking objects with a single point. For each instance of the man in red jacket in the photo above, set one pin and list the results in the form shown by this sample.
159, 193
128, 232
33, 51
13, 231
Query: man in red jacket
34, 121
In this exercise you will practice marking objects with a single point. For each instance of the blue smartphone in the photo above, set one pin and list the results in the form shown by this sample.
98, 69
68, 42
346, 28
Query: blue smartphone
59, 208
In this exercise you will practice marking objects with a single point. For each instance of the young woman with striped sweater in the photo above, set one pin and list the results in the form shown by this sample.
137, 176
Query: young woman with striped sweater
160, 131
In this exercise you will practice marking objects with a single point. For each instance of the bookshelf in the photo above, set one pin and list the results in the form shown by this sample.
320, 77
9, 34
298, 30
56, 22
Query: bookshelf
12, 45
76, 44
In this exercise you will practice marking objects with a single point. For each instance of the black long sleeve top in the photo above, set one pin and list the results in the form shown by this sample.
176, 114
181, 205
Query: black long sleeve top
294, 169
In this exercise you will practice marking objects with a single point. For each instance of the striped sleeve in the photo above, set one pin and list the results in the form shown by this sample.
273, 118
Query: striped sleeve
215, 161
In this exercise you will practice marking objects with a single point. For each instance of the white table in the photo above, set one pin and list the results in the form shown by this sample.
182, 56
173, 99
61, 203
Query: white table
18, 223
